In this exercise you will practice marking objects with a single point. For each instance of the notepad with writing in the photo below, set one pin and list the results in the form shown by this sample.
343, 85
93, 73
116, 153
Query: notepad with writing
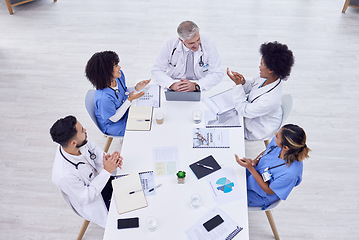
128, 193
139, 118
205, 166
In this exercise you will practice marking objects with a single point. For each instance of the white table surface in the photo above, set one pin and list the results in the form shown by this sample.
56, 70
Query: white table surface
171, 203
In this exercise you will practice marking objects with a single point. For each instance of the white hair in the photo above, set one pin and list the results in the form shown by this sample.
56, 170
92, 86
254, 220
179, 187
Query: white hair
187, 29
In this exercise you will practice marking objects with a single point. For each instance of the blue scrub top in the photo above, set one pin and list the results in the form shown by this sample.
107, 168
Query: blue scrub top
283, 179
106, 104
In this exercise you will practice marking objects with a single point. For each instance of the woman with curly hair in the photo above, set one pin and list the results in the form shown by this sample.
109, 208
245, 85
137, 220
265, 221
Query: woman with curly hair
259, 100
112, 98
276, 171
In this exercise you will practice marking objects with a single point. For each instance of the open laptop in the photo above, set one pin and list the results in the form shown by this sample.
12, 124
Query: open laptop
182, 96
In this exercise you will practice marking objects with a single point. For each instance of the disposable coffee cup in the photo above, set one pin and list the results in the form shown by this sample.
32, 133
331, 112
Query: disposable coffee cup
159, 118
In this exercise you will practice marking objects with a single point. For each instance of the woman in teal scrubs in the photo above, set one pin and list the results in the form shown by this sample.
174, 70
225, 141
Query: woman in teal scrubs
112, 98
276, 171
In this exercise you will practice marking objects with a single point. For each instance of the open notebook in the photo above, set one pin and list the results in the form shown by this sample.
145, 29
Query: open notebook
139, 118
128, 193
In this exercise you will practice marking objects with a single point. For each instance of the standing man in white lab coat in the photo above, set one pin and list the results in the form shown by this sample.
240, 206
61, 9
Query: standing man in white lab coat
189, 62
82, 171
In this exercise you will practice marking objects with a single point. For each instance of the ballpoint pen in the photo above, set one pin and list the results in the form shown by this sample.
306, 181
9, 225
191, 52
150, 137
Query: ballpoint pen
150, 190
159, 185
143, 120
205, 166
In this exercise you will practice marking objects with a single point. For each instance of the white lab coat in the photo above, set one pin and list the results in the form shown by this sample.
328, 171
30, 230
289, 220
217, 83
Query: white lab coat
263, 117
83, 187
169, 68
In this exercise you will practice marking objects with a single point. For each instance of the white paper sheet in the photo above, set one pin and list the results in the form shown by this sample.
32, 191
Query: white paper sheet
165, 160
223, 184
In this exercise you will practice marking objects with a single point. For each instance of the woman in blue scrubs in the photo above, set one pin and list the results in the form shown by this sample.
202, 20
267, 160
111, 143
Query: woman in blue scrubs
276, 171
112, 98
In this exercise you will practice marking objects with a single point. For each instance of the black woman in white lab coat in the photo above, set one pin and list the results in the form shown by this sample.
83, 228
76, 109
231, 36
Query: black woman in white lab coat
259, 100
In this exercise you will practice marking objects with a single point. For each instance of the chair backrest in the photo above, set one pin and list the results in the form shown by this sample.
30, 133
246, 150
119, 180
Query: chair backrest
90, 105
65, 197
287, 105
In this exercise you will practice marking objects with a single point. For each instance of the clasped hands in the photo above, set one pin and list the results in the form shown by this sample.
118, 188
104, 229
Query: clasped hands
139, 86
112, 161
247, 162
183, 85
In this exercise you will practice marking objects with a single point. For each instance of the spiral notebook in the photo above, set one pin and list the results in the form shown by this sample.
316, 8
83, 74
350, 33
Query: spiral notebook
210, 138
128, 193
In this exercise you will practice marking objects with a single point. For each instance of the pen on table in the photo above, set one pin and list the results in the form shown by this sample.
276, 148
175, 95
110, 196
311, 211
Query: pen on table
132, 192
150, 190
205, 166
159, 185
143, 120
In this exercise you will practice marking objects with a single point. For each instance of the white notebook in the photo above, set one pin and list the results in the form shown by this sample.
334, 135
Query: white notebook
139, 118
125, 200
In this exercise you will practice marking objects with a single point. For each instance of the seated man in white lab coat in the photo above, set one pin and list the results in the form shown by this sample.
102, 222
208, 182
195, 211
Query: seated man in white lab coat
82, 171
189, 62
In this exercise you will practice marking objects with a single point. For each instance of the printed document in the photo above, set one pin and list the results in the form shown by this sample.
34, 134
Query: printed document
165, 160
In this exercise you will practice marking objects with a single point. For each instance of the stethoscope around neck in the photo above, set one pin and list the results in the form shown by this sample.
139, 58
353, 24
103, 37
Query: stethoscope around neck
92, 157
200, 63
125, 89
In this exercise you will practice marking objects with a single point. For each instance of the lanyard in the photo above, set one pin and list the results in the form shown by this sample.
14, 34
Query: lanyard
271, 149
265, 92
269, 168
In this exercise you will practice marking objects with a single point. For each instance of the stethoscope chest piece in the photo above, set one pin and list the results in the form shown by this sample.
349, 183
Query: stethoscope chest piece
92, 155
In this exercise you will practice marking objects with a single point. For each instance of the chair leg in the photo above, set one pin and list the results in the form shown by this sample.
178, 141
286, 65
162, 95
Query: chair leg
9, 7
272, 224
83, 229
108, 143
346, 5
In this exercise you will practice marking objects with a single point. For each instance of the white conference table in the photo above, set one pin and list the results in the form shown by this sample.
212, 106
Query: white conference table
170, 205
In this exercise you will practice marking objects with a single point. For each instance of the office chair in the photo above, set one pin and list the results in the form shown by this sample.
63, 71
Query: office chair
350, 3
90, 107
85, 223
287, 105
16, 3
269, 216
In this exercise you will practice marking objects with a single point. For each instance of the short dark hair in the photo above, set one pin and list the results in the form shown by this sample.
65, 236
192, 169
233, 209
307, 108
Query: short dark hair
64, 130
277, 58
99, 69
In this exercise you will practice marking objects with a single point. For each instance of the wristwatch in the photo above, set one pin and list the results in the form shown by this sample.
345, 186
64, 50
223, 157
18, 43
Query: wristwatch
198, 88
